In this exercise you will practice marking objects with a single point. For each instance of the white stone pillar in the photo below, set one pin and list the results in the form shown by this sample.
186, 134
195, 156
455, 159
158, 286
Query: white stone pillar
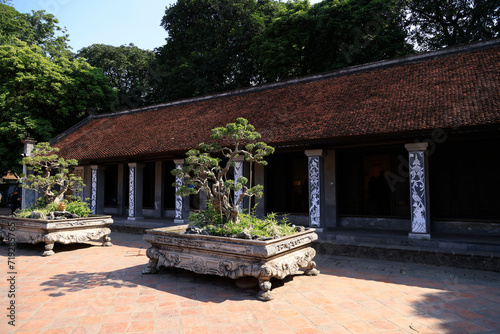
238, 172
419, 190
135, 184
28, 197
97, 189
182, 208
78, 172
316, 200
242, 168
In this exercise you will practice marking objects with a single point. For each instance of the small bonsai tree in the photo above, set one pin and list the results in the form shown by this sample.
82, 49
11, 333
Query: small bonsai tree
51, 176
204, 170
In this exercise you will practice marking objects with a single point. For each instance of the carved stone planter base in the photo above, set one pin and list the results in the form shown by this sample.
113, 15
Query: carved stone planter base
67, 231
233, 258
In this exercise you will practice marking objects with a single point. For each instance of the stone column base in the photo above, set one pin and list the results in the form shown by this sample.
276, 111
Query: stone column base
423, 236
135, 218
180, 221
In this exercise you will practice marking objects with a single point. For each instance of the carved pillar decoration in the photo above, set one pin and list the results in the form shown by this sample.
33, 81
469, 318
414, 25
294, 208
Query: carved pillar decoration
419, 190
181, 203
238, 172
242, 168
315, 173
28, 197
135, 184
97, 189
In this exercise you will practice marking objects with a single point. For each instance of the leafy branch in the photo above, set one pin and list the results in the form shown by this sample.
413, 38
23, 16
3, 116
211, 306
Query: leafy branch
206, 171
51, 176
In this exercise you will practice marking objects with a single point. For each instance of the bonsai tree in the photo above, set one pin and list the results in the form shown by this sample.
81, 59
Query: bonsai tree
206, 171
51, 175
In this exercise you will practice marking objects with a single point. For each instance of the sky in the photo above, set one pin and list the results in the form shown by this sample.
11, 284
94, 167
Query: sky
112, 22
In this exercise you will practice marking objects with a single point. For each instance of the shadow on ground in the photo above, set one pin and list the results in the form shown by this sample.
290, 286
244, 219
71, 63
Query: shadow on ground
180, 282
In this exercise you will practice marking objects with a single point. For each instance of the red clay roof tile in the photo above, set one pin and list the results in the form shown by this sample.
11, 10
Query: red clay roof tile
451, 91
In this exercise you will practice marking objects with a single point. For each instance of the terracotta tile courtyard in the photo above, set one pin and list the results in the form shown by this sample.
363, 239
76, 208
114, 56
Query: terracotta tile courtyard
86, 288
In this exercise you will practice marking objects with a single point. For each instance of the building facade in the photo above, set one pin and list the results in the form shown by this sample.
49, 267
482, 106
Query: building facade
409, 144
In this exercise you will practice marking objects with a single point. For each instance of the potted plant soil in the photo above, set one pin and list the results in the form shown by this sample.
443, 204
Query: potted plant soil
222, 240
54, 217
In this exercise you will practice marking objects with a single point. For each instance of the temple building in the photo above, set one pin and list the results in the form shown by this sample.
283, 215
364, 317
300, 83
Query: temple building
408, 144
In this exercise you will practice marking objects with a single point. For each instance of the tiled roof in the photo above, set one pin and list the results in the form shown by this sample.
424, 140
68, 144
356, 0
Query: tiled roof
449, 90
10, 175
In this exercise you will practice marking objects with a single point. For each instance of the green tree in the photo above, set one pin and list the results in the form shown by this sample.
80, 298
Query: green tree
43, 91
440, 23
12, 23
204, 170
208, 45
129, 69
35, 28
51, 176
352, 32
44, 96
208, 52
281, 50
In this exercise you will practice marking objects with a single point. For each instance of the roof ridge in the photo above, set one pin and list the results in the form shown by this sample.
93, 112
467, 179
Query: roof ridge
380, 64
71, 129
363, 68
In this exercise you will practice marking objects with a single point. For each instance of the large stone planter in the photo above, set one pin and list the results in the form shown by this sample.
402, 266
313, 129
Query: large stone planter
231, 257
65, 231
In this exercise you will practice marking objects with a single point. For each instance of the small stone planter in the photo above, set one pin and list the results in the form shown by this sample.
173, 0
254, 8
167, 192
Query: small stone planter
232, 257
65, 231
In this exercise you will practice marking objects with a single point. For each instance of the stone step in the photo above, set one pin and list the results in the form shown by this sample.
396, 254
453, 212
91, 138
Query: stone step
467, 259
468, 252
455, 243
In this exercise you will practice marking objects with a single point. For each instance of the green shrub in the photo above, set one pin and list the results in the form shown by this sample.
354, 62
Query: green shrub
74, 205
51, 176
206, 170
215, 224
78, 207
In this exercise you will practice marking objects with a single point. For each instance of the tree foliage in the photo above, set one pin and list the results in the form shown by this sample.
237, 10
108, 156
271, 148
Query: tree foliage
208, 45
51, 176
205, 171
281, 51
44, 97
35, 28
128, 68
440, 23
356, 32
331, 34
219, 45
43, 90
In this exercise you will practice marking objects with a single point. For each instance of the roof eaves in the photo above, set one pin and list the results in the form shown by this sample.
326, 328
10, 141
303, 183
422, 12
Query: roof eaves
406, 60
381, 64
71, 129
